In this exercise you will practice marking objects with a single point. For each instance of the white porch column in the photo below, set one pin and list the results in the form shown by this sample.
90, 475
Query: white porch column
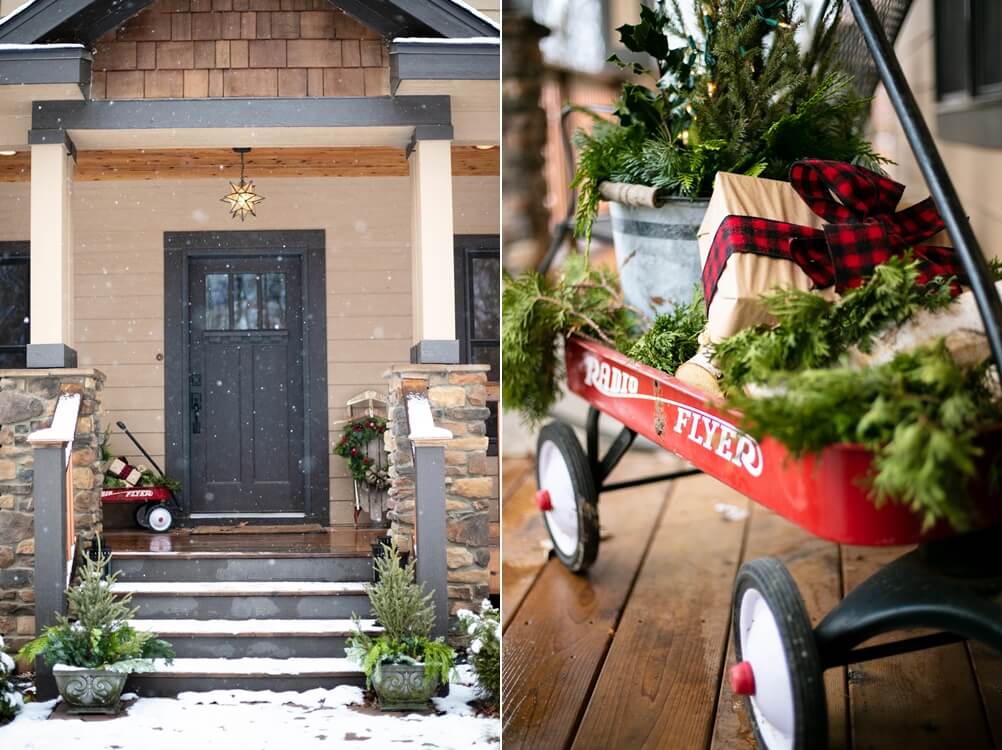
51, 257
433, 293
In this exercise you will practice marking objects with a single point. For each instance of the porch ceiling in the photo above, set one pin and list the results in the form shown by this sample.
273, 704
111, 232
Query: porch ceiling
220, 123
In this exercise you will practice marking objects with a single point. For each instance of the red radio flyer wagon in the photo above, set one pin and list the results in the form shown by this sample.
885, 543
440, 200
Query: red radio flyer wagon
950, 583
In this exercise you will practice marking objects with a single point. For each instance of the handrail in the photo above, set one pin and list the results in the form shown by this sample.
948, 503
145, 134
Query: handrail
931, 163
55, 536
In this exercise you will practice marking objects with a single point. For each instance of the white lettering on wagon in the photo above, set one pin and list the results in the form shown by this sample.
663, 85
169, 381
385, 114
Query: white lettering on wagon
703, 429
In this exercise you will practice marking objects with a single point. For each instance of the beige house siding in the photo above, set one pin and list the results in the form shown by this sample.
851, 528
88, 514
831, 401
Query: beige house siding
190, 48
490, 8
976, 172
118, 232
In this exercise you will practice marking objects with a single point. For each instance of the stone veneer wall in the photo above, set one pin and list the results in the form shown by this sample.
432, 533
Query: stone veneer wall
27, 403
209, 48
458, 396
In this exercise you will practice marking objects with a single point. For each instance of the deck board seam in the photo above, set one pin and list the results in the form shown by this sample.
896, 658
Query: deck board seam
597, 674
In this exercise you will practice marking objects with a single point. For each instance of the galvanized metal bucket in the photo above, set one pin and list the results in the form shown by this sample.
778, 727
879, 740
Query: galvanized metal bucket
656, 252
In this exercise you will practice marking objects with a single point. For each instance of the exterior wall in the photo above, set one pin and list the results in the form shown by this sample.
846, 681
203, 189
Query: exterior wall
976, 172
27, 403
118, 231
490, 8
197, 48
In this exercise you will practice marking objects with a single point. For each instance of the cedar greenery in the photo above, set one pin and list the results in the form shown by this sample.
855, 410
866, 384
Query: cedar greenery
812, 332
674, 337
539, 310
404, 610
100, 637
737, 95
918, 414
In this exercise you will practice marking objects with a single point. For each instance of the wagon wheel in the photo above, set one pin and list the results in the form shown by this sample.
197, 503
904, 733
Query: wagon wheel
567, 496
159, 518
778, 669
140, 514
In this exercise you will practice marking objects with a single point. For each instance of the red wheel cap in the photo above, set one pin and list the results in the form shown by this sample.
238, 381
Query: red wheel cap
742, 679
543, 501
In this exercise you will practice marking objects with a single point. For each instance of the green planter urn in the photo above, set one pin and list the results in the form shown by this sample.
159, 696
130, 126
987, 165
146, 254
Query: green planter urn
89, 691
402, 687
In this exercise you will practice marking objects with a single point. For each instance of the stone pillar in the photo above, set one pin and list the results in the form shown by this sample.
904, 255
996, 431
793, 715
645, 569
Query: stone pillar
433, 292
27, 403
51, 257
458, 397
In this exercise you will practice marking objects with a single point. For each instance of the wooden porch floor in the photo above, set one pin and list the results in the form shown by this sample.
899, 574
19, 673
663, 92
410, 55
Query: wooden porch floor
633, 655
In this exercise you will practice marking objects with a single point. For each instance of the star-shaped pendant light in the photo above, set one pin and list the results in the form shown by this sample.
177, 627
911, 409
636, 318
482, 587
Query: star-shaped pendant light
242, 197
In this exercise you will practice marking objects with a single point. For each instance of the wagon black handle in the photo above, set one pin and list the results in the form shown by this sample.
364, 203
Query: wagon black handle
123, 428
934, 172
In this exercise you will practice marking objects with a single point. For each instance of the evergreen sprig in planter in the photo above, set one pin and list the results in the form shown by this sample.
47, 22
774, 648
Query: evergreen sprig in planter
730, 92
403, 665
93, 654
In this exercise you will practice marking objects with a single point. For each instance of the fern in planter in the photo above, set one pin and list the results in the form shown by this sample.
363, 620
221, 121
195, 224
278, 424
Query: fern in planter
736, 94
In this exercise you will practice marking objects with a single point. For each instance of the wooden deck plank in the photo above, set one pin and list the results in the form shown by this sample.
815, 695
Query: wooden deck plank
928, 700
553, 649
988, 672
524, 533
658, 685
814, 564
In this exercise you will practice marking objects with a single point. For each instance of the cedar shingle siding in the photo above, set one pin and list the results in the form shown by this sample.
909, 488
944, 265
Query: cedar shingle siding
201, 48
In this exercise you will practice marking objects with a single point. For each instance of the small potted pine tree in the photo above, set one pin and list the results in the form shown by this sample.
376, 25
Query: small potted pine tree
403, 664
92, 655
484, 651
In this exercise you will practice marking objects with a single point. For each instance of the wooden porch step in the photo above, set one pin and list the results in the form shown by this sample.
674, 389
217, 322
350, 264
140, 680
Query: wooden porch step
239, 588
245, 674
252, 628
150, 567
277, 639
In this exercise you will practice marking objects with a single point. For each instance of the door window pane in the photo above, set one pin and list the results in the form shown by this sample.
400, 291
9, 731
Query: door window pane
217, 301
486, 286
988, 54
245, 301
952, 48
273, 304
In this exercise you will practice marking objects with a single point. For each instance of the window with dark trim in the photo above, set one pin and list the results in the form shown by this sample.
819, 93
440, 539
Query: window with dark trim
15, 303
969, 71
478, 312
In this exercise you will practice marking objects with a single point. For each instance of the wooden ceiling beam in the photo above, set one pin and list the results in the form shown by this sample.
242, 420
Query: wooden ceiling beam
184, 164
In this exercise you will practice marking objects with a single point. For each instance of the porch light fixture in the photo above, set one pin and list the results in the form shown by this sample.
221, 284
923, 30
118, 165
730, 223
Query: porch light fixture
242, 197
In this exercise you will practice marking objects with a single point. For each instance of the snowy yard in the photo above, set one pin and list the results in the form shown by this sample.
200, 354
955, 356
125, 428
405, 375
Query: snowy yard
260, 720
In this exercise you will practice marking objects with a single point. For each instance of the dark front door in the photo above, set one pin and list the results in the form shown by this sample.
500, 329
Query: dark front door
246, 398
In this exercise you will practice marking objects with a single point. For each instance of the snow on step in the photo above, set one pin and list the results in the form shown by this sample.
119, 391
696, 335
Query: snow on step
246, 666
239, 588
168, 628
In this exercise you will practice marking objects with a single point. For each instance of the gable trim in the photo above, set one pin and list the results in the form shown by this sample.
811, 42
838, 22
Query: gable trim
85, 21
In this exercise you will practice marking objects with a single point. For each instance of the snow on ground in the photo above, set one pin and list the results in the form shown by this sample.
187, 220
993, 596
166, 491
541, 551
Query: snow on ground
261, 720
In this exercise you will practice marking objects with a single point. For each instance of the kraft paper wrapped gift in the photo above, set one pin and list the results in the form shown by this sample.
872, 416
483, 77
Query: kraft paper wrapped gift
853, 194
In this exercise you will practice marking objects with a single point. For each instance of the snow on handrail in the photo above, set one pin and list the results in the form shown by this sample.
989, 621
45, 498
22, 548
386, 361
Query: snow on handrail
64, 424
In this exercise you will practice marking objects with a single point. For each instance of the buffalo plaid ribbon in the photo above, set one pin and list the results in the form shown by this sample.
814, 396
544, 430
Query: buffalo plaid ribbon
863, 230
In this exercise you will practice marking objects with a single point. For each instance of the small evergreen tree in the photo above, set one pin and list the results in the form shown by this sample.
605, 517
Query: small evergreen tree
485, 650
10, 698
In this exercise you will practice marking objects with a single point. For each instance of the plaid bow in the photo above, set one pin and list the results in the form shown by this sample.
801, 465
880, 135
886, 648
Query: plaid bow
863, 230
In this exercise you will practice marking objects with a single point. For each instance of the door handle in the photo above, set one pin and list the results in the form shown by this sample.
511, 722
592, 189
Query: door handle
196, 413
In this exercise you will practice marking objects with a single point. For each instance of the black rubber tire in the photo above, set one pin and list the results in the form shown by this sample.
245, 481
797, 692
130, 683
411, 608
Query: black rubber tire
586, 498
140, 515
776, 586
170, 518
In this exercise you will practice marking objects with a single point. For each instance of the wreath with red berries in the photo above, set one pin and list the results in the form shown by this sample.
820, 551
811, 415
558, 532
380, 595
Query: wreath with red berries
355, 438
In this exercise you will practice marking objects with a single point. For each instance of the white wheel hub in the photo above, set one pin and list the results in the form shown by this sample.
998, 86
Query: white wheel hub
159, 519
762, 647
562, 519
